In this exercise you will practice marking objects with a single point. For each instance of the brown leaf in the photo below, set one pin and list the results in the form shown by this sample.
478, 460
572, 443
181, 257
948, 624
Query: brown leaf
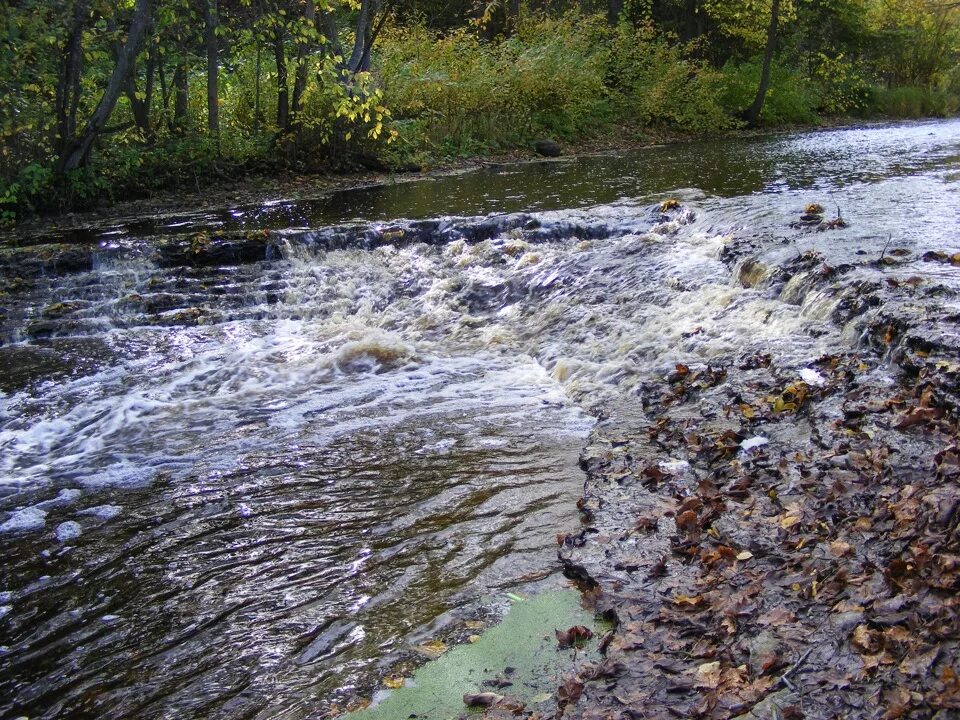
865, 639
687, 521
607, 669
919, 665
691, 503
776, 616
571, 690
839, 548
576, 635
659, 569
708, 675
645, 524
653, 472
918, 416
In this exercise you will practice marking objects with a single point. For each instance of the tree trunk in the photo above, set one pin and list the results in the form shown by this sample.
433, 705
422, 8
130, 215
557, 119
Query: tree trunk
164, 91
140, 105
300, 79
213, 68
360, 40
68, 87
181, 97
614, 10
77, 150
328, 26
365, 58
257, 119
283, 90
752, 115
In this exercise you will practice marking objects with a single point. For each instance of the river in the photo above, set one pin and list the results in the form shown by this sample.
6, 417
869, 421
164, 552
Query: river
244, 485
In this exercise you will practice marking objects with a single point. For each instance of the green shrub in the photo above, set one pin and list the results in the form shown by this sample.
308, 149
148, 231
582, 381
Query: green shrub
663, 87
460, 95
843, 87
31, 190
914, 102
791, 98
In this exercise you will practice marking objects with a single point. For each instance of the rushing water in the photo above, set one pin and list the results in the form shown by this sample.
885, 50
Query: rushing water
242, 489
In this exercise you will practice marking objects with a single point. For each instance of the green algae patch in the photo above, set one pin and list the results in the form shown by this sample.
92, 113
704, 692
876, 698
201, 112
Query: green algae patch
521, 650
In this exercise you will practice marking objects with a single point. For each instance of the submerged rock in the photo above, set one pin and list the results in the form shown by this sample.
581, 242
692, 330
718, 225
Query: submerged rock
67, 531
31, 518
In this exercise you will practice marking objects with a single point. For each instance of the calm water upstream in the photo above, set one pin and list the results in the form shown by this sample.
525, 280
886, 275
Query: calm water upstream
242, 490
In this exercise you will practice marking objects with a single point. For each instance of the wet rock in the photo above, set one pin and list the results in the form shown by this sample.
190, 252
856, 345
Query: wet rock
547, 148
203, 251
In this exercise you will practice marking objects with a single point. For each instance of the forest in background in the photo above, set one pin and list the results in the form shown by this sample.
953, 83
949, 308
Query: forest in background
107, 100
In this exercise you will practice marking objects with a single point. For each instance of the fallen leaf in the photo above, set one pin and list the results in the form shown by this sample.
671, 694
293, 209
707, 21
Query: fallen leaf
394, 681
575, 636
839, 548
865, 639
789, 521
745, 555
919, 665
708, 675
845, 606
571, 690
434, 648
687, 521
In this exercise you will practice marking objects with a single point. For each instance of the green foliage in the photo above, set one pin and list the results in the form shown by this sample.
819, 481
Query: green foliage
916, 40
565, 77
844, 88
914, 102
660, 85
792, 97
458, 94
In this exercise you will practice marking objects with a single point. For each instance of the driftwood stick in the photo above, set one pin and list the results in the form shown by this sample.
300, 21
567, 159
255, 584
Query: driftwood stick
785, 678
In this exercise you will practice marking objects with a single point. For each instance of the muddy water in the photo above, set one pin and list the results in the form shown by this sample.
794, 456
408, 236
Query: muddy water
242, 489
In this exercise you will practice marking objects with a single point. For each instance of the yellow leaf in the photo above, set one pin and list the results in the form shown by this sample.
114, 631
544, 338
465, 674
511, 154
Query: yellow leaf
789, 521
745, 555
434, 648
394, 681
840, 548
708, 675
